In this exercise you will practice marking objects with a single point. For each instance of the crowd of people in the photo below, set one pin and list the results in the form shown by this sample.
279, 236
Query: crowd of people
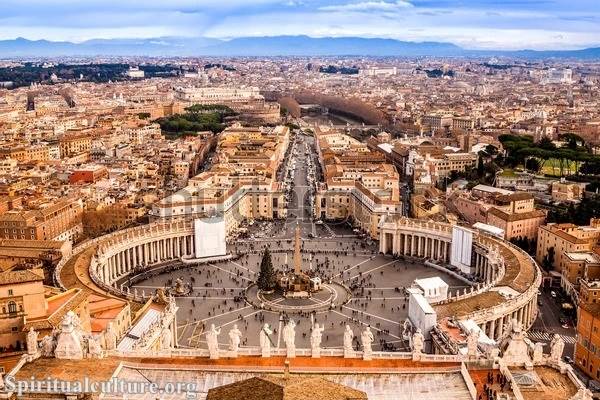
489, 392
344, 260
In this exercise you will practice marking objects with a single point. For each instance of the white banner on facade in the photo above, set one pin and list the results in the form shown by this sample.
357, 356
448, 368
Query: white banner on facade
462, 248
209, 236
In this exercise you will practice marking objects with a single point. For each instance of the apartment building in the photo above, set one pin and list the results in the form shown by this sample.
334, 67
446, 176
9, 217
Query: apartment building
25, 154
17, 252
571, 248
587, 347
360, 185
71, 145
437, 121
58, 221
516, 215
89, 174
436, 163
566, 191
513, 212
241, 183
463, 123
245, 100
21, 297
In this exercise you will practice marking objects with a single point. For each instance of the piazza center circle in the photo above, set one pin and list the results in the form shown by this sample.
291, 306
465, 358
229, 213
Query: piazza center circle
359, 287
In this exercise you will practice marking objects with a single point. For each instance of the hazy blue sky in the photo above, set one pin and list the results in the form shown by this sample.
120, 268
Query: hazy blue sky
509, 24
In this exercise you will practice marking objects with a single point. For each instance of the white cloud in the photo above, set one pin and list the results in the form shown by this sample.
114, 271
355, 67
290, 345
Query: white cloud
470, 23
367, 6
466, 28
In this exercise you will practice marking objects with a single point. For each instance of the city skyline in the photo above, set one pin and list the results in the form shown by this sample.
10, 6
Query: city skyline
471, 24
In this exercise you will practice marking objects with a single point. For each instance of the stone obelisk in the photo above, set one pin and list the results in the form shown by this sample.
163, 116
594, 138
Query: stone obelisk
297, 256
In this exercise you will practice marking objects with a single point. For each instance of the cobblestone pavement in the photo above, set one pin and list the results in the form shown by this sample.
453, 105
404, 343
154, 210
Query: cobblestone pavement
377, 294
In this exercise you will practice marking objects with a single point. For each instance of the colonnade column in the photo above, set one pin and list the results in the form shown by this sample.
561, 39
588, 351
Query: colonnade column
500, 327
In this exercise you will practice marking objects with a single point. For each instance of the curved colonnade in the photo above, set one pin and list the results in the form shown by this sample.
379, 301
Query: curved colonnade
505, 279
110, 259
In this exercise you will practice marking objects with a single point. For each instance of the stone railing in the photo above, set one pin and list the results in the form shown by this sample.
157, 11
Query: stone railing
448, 271
76, 251
504, 370
507, 306
122, 240
135, 297
282, 352
476, 288
426, 226
514, 303
469, 381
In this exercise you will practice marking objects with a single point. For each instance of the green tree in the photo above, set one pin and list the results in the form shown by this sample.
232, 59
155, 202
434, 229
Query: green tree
533, 164
546, 144
548, 261
266, 276
480, 167
573, 140
491, 150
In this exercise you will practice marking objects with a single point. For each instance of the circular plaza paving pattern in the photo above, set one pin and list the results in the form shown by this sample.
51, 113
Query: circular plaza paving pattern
361, 287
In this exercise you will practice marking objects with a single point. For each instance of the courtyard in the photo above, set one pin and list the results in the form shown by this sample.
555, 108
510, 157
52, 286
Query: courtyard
375, 286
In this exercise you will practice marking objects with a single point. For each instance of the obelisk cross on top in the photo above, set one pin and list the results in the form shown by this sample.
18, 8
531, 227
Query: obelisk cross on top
297, 256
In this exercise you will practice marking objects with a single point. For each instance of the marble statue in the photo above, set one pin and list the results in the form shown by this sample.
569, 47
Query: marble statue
348, 339
166, 337
265, 340
110, 337
557, 345
235, 338
538, 352
493, 255
68, 342
472, 341
47, 346
93, 348
367, 338
583, 394
418, 342
516, 327
494, 353
406, 327
32, 344
171, 305
289, 337
161, 296
516, 351
316, 336
213, 341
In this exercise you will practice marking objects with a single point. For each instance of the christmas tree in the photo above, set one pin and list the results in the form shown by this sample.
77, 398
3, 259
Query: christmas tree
266, 276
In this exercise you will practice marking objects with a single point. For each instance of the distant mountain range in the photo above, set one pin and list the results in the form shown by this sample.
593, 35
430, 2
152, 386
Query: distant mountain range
264, 46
